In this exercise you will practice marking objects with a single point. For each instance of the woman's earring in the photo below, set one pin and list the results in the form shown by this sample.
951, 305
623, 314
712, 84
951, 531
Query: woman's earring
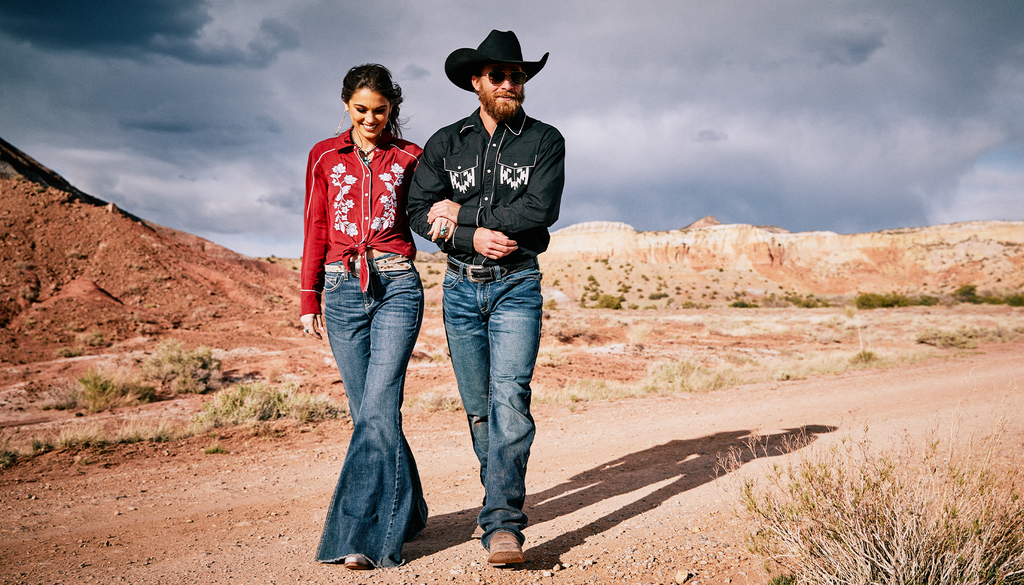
340, 124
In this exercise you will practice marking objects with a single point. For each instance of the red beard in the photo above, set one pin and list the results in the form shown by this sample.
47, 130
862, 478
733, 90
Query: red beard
502, 111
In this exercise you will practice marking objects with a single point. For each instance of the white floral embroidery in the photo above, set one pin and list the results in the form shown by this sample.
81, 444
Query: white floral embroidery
390, 201
343, 204
462, 180
515, 177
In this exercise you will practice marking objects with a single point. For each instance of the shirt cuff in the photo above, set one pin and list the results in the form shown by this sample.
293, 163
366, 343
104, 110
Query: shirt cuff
468, 215
309, 302
463, 238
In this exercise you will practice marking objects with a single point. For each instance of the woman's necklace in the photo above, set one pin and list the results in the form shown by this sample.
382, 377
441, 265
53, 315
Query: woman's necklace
366, 155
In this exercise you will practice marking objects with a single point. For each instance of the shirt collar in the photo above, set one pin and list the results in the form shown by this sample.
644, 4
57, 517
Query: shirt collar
515, 125
347, 143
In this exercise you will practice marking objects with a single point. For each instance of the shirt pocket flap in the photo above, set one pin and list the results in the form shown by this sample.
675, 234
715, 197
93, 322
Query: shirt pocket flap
517, 161
459, 164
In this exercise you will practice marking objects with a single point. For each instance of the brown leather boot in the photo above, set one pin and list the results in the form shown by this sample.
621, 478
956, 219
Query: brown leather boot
505, 549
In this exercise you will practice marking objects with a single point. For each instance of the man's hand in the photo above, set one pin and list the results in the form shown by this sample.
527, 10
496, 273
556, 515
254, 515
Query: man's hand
445, 208
492, 244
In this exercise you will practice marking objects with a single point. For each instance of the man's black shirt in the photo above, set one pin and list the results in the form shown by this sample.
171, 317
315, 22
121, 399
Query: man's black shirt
509, 182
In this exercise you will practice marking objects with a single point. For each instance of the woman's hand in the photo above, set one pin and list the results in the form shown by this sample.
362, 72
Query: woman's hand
312, 324
441, 228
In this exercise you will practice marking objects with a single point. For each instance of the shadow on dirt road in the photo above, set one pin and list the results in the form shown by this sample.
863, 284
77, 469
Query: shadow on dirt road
691, 463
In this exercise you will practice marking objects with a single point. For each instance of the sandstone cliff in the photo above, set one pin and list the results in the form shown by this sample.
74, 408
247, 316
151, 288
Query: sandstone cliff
989, 254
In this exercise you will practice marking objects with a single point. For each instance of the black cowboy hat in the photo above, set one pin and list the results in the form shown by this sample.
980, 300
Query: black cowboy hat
498, 47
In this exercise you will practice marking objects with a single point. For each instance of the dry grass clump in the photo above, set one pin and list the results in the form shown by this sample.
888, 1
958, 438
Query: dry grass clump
8, 454
97, 390
161, 432
434, 402
568, 331
62, 396
688, 377
258, 402
968, 337
76, 436
638, 332
183, 371
854, 514
963, 338
585, 391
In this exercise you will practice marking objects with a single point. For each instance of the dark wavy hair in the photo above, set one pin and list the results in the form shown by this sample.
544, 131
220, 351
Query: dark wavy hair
375, 78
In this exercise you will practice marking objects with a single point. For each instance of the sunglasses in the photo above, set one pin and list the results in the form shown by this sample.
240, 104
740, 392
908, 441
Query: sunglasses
498, 77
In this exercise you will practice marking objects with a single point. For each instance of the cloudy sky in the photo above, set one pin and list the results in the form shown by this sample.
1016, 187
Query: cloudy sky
809, 115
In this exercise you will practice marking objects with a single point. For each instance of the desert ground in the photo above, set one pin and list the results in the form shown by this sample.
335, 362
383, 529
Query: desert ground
625, 483
650, 417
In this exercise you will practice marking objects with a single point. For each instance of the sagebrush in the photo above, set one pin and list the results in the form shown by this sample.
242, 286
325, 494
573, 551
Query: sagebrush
183, 371
905, 515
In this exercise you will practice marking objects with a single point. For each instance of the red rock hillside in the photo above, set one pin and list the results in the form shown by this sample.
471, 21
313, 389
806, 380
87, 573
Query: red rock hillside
80, 274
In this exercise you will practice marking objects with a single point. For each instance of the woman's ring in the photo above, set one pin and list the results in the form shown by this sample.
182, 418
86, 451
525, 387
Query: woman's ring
444, 231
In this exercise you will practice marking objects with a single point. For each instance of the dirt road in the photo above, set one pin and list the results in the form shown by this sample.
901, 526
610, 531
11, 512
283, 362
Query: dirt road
624, 491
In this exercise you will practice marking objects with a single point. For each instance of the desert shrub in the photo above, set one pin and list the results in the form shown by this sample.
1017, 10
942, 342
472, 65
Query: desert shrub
774, 302
100, 391
691, 305
881, 301
8, 454
967, 293
657, 295
807, 302
41, 445
743, 305
67, 352
863, 357
93, 338
250, 403
963, 338
214, 448
853, 514
1015, 300
181, 370
609, 302
927, 301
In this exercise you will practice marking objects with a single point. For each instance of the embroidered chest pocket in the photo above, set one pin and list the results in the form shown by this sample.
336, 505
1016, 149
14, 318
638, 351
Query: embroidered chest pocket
514, 169
462, 172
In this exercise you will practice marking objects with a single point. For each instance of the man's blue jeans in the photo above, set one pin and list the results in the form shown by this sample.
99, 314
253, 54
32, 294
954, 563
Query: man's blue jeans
493, 333
378, 503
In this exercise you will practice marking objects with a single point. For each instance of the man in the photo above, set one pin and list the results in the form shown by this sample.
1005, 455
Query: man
486, 189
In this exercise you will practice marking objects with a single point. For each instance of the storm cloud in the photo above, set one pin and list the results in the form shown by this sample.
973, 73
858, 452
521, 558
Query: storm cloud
844, 116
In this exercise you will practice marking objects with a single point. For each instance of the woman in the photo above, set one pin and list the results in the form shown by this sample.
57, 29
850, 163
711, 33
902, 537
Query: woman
359, 252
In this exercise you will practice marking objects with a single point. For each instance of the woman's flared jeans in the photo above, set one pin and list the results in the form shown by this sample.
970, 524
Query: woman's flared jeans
378, 503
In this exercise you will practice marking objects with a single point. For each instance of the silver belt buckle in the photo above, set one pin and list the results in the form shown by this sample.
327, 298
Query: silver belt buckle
471, 267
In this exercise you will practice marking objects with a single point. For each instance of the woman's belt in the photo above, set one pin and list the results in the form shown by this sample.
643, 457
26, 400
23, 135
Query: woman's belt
351, 265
